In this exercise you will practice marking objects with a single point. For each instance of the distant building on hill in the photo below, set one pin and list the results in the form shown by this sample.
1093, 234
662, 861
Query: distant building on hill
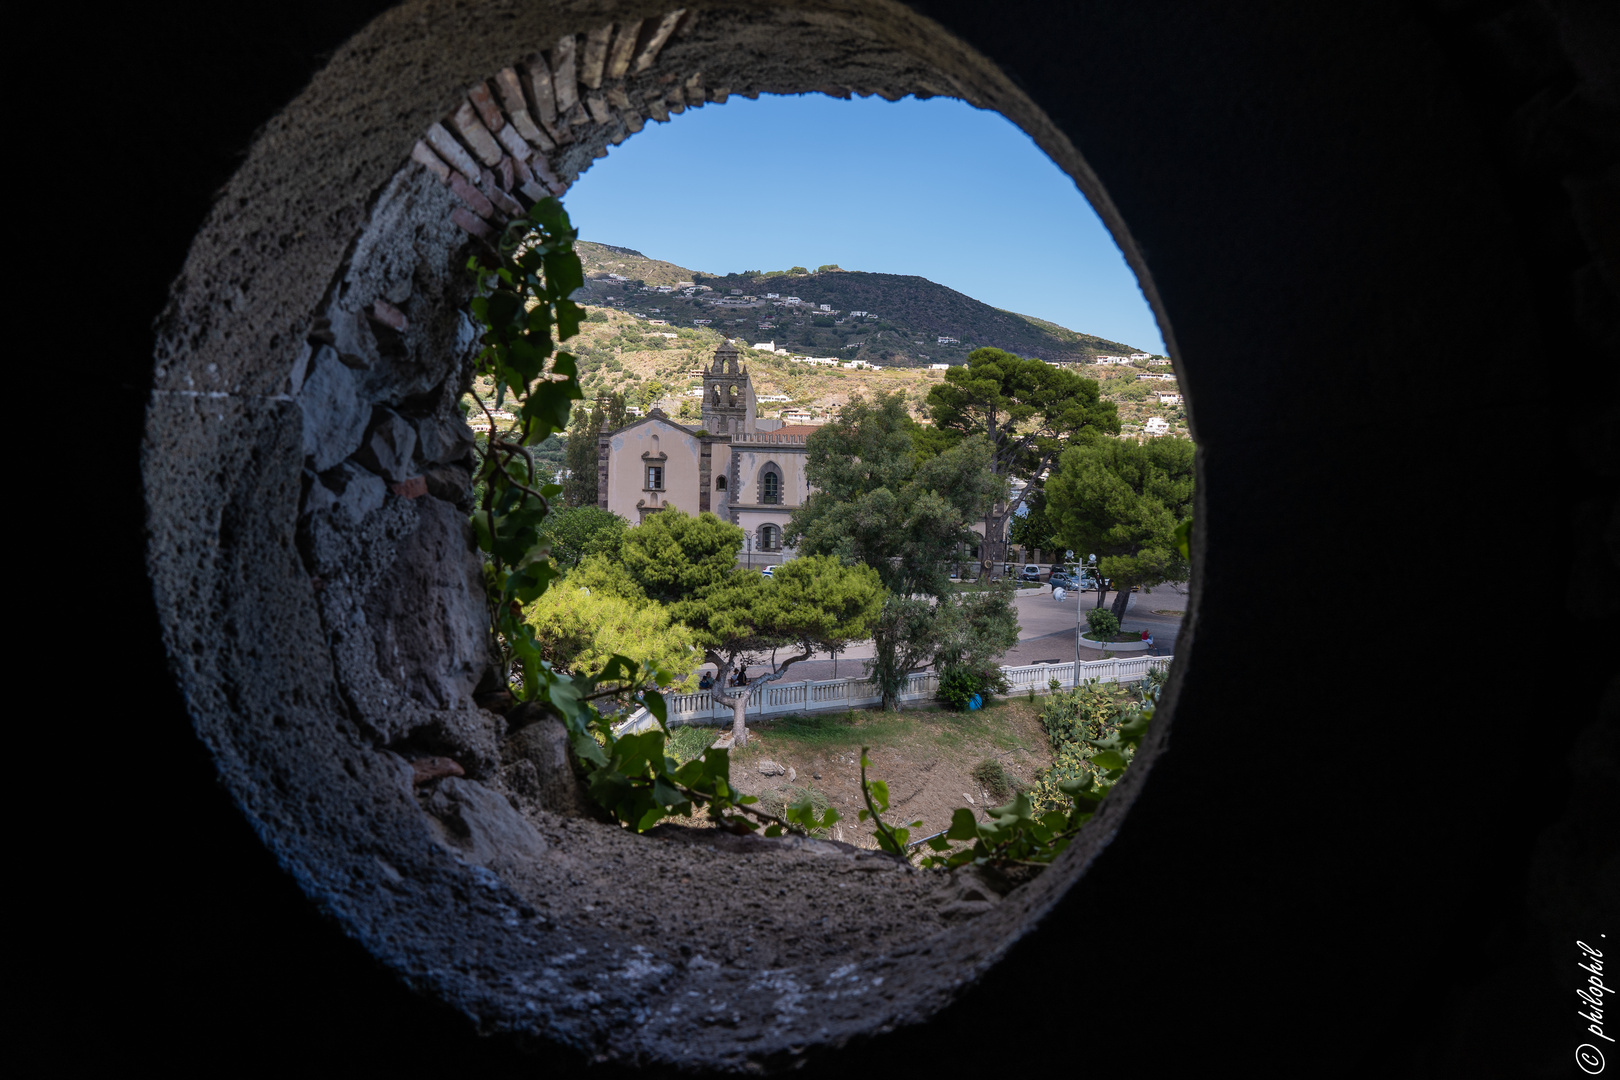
1156, 426
939, 367
744, 469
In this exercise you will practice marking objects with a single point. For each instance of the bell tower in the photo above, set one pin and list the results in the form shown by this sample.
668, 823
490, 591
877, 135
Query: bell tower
728, 395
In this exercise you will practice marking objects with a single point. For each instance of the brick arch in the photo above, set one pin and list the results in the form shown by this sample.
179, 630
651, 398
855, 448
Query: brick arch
531, 129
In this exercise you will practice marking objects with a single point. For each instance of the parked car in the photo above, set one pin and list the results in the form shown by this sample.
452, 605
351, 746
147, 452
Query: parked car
1062, 579
1030, 572
769, 571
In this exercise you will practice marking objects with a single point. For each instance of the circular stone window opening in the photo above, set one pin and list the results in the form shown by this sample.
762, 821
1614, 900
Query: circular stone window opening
307, 473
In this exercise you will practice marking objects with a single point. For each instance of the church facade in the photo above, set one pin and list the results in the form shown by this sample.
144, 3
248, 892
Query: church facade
745, 470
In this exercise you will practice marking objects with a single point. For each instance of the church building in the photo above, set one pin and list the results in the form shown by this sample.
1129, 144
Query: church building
743, 469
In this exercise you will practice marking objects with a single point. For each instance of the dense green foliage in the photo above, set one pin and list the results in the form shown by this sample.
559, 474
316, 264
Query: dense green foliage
520, 302
1094, 731
579, 631
1124, 502
581, 531
1096, 742
1027, 411
1104, 624
879, 503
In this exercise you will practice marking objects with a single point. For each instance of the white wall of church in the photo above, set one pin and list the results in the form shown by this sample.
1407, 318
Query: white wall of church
750, 464
627, 484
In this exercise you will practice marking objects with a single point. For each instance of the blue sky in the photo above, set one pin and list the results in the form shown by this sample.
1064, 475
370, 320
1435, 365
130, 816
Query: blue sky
936, 188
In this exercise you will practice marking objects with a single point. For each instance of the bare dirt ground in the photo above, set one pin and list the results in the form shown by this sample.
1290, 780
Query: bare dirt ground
926, 756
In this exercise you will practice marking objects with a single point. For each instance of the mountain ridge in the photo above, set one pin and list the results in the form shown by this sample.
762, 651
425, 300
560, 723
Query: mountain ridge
906, 314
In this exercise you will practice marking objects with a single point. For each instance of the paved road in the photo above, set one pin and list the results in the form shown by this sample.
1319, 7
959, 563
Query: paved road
1045, 632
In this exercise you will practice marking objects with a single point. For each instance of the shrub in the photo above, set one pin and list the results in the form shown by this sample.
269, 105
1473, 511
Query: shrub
777, 801
990, 775
1070, 719
957, 686
1104, 624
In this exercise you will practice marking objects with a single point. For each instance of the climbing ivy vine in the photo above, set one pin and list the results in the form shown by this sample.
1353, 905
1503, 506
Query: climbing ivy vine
522, 305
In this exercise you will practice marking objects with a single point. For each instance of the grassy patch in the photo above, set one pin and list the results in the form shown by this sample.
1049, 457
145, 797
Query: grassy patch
993, 778
1119, 638
777, 800
850, 727
689, 741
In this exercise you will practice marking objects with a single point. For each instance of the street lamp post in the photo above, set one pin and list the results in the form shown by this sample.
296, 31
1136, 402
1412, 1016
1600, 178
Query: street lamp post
750, 539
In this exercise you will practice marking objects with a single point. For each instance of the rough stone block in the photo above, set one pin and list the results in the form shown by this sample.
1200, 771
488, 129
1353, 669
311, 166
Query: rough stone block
541, 740
534, 190
593, 57
656, 109
564, 74
577, 116
598, 108
451, 483
451, 151
335, 417
389, 446
346, 488
624, 48
479, 825
632, 120
720, 95
422, 155
616, 96
476, 134
442, 439
655, 41
484, 102
472, 196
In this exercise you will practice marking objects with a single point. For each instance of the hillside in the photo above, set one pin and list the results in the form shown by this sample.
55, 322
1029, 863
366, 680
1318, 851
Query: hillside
900, 322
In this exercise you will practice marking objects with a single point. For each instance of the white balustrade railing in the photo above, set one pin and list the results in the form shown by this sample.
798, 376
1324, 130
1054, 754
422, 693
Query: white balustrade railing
831, 694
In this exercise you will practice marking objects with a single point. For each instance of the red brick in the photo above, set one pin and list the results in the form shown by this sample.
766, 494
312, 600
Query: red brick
521, 173
477, 135
484, 102
530, 131
413, 487
666, 27
471, 196
593, 57
512, 138
431, 161
388, 314
624, 47
564, 73
446, 146
508, 205
545, 98
428, 769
